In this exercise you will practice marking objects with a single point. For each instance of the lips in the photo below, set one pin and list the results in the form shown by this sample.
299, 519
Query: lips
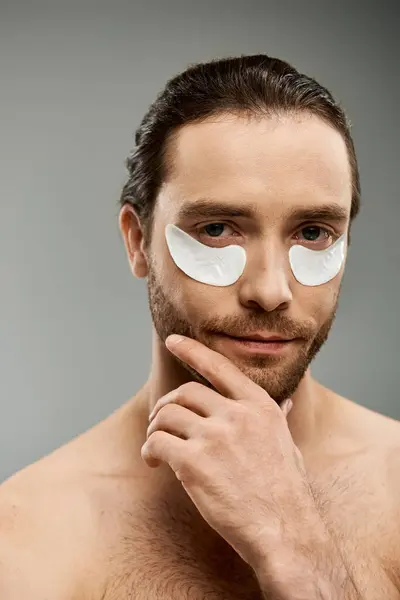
257, 344
258, 337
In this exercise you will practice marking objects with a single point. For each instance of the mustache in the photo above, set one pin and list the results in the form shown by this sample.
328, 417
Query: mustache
269, 322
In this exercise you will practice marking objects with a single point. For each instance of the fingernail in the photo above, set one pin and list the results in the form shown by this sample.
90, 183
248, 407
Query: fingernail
287, 406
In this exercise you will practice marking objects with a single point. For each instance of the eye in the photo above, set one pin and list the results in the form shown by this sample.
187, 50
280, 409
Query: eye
312, 233
215, 230
315, 235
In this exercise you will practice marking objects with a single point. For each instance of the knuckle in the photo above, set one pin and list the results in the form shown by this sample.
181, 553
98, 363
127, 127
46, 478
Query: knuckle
179, 393
215, 438
187, 388
215, 431
155, 439
165, 412
235, 414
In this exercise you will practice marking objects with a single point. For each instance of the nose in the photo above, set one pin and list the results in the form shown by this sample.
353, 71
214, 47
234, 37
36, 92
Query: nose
265, 282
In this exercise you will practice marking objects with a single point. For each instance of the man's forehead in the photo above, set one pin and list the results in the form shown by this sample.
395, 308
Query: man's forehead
258, 166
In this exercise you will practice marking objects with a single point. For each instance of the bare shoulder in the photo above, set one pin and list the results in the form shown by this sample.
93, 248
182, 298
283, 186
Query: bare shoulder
381, 436
59, 517
385, 433
364, 426
46, 533
376, 438
375, 469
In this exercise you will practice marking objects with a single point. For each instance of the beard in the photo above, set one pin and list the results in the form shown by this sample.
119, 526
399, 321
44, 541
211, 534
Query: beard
279, 378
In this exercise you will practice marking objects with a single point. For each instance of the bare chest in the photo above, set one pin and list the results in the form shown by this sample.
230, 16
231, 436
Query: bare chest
168, 552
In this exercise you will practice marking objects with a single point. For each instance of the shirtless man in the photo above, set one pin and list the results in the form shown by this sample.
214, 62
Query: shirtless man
241, 194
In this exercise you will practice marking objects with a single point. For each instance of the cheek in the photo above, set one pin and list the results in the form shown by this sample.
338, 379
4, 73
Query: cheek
319, 302
196, 301
200, 301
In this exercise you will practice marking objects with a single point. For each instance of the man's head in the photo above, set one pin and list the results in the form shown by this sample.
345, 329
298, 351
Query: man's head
243, 151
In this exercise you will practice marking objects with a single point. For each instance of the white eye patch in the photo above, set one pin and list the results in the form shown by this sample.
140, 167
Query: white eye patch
214, 266
224, 266
315, 267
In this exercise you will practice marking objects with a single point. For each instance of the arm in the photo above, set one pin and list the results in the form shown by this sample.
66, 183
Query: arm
305, 564
308, 572
314, 565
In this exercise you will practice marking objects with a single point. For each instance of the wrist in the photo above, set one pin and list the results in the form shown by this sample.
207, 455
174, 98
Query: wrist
291, 576
308, 568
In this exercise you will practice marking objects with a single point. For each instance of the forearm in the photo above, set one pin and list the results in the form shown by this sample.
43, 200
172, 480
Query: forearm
295, 579
315, 570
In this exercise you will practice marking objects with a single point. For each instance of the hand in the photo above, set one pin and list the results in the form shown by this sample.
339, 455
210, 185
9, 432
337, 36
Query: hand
232, 451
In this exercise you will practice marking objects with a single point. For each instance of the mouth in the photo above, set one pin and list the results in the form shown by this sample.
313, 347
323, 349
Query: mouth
260, 337
265, 344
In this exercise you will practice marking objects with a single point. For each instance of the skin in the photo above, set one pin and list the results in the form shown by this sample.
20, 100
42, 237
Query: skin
129, 507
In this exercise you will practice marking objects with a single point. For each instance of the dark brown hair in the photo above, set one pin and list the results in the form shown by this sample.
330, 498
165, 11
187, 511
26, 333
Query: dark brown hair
256, 85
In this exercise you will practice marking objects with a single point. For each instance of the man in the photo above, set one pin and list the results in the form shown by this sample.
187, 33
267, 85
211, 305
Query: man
250, 480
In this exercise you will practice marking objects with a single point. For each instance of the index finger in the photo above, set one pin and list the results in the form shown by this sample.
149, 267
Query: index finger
217, 369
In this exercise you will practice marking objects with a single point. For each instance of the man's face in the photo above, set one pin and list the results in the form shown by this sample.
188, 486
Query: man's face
279, 168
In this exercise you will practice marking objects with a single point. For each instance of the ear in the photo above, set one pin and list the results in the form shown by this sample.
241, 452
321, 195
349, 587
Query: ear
132, 233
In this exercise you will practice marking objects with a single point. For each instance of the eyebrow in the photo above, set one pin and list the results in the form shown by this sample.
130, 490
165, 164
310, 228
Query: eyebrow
207, 207
213, 208
326, 212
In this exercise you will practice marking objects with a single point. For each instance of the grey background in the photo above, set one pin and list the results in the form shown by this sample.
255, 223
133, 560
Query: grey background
75, 81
